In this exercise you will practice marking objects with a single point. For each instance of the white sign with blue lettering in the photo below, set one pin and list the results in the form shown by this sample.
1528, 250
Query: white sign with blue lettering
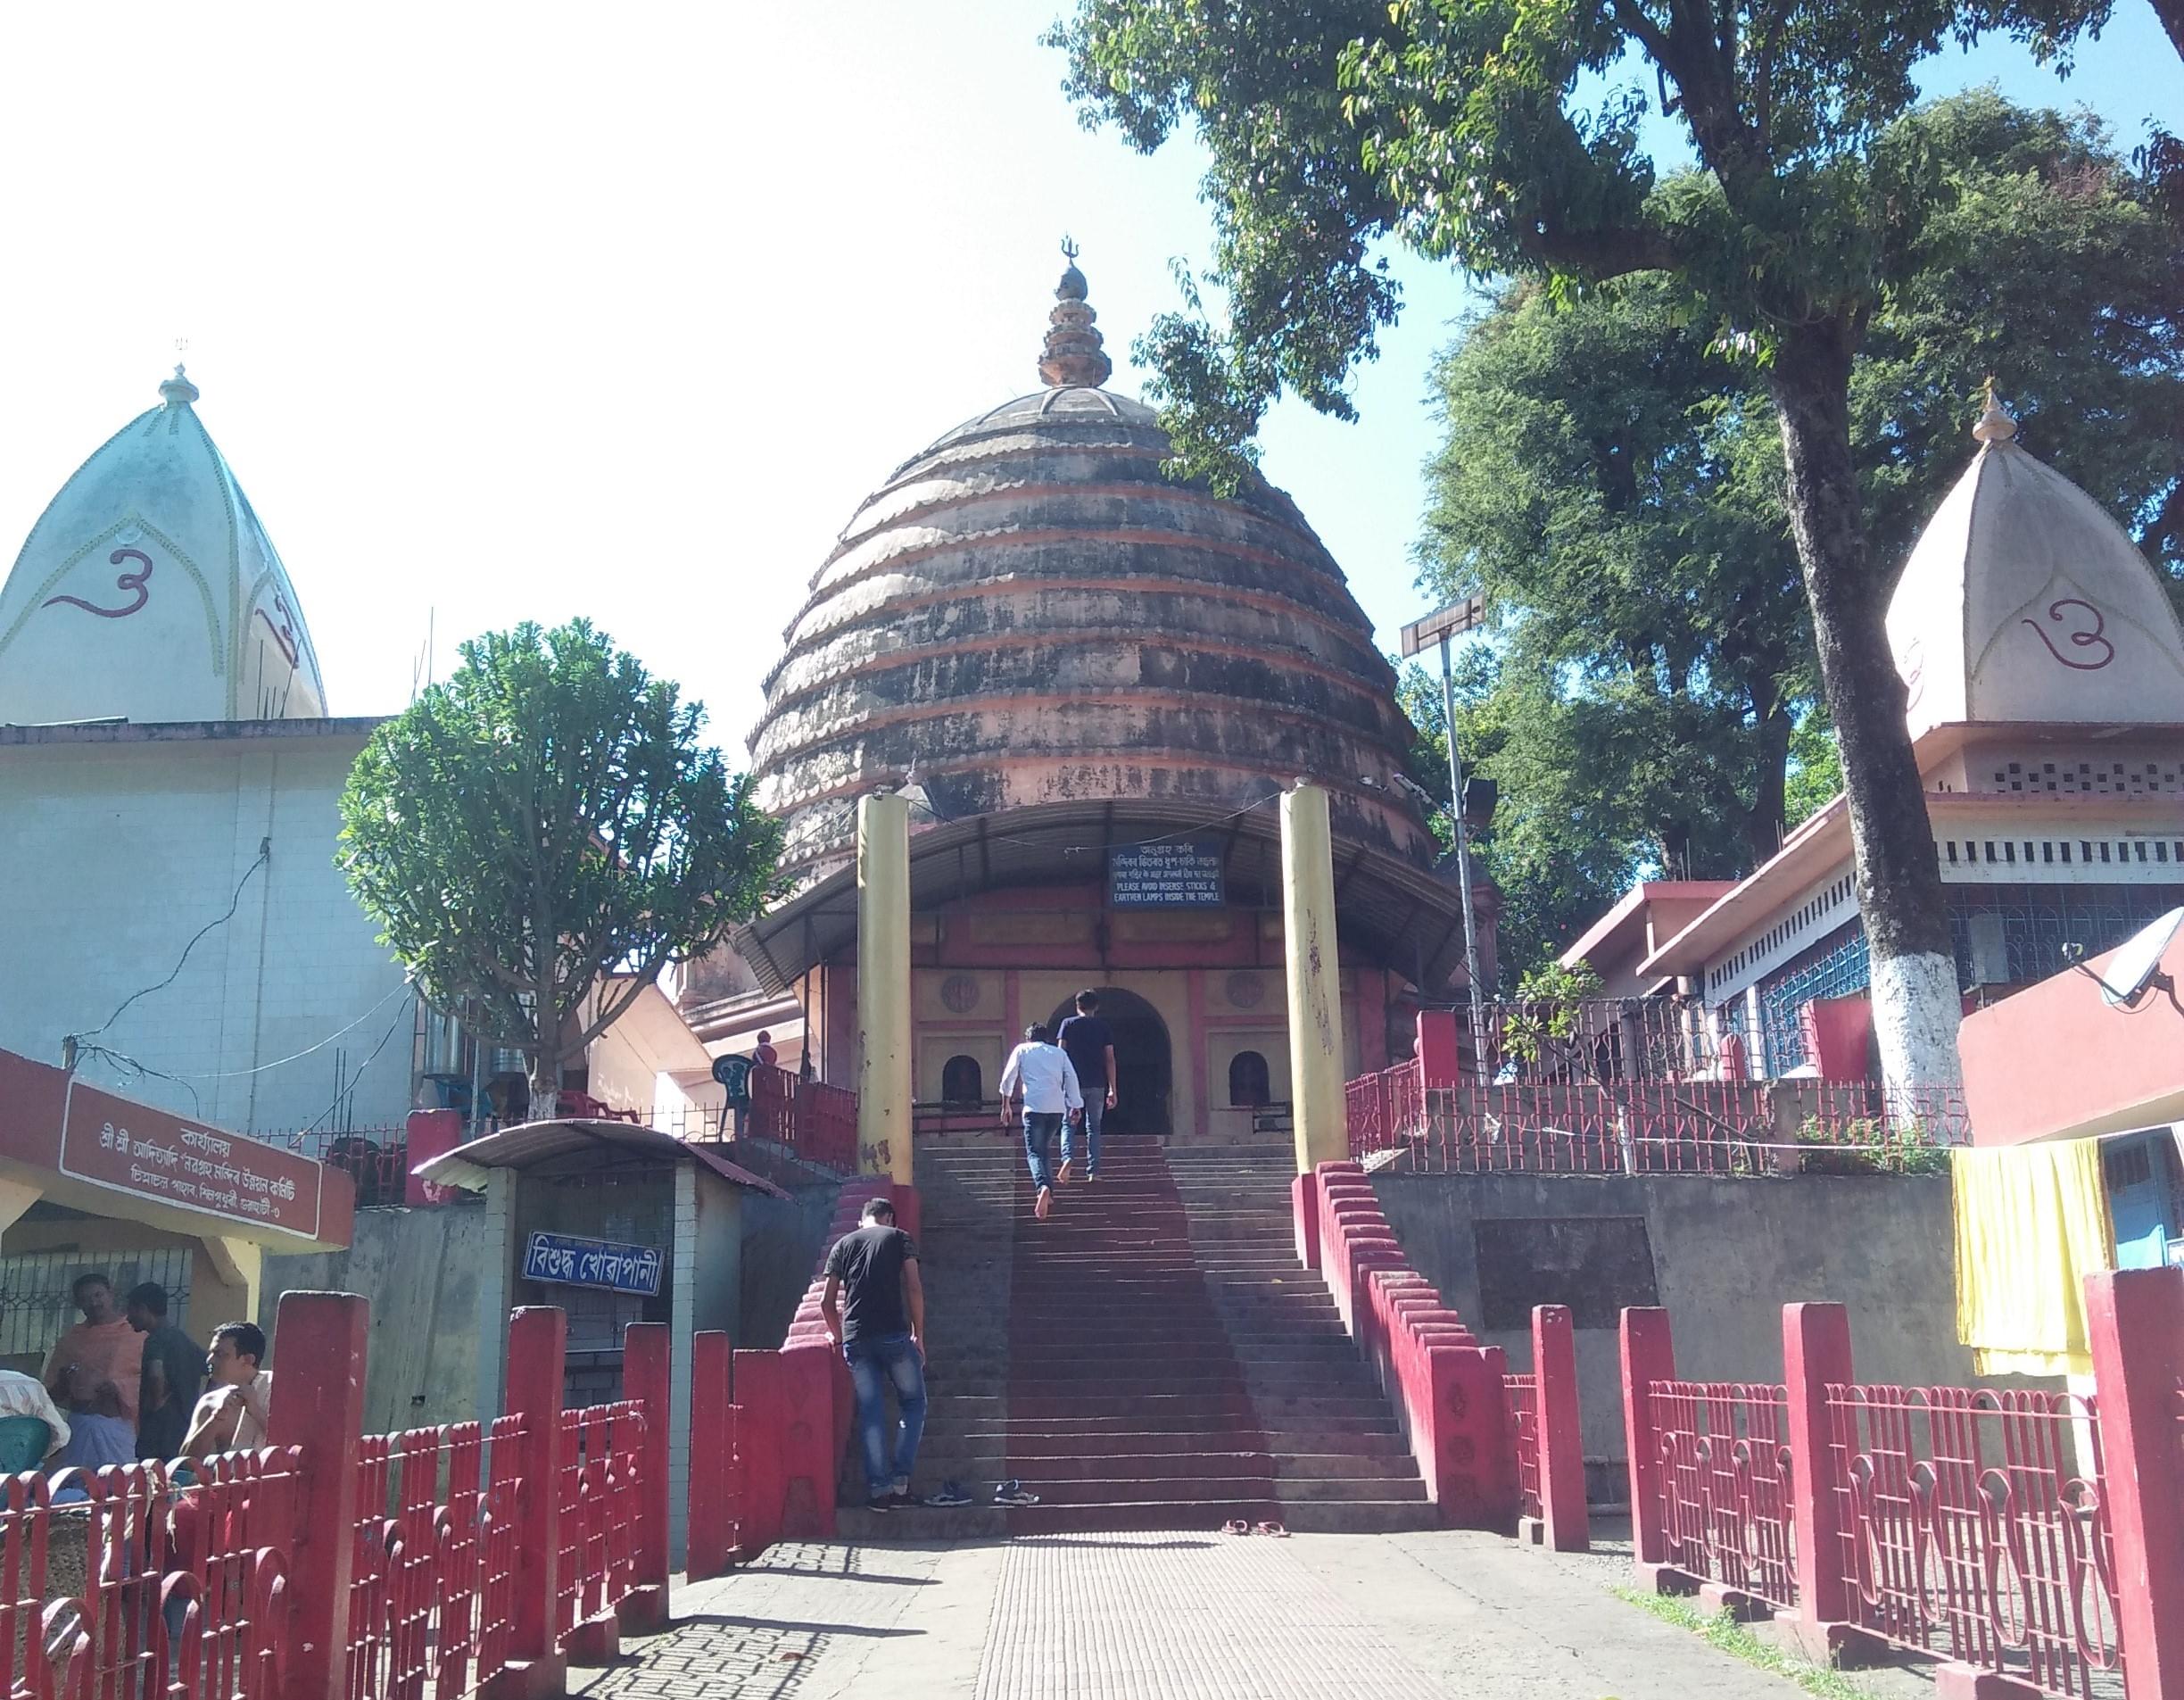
592, 1263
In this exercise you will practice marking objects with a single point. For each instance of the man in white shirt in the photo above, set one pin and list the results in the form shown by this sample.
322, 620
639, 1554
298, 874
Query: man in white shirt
1039, 1076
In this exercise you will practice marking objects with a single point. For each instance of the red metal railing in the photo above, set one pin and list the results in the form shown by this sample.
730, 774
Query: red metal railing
1725, 1470
430, 1590
377, 1158
1523, 1394
1982, 1527
1974, 1525
1386, 1111
195, 1580
603, 1462
1599, 1039
179, 1584
814, 1120
1650, 1126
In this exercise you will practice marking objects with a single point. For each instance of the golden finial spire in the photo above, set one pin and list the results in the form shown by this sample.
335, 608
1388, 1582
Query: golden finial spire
1073, 357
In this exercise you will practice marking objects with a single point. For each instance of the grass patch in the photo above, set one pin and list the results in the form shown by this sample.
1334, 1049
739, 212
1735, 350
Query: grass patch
1724, 1633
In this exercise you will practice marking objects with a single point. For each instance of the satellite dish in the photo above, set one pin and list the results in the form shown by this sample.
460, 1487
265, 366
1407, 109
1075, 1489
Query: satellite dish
2136, 965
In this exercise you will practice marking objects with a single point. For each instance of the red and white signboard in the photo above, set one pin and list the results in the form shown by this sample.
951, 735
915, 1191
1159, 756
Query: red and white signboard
132, 1147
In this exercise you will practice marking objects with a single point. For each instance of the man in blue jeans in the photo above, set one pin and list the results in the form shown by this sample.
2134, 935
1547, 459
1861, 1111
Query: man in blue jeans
1089, 1043
882, 1332
1038, 1075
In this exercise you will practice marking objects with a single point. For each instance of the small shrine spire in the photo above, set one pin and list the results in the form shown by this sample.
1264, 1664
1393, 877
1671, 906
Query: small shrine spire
178, 390
1996, 423
1073, 357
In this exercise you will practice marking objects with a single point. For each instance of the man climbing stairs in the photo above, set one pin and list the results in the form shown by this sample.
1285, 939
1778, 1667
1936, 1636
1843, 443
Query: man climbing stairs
1151, 1356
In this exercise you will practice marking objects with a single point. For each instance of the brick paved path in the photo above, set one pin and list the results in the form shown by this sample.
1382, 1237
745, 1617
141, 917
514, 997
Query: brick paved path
1173, 1617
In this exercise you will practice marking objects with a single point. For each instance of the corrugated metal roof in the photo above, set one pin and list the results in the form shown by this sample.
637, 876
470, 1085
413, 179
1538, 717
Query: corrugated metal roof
534, 1145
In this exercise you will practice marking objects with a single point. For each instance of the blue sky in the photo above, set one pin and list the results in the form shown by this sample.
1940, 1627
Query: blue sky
621, 312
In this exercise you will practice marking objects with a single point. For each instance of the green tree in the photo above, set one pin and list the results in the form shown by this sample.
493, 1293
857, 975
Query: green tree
543, 820
1614, 487
1469, 130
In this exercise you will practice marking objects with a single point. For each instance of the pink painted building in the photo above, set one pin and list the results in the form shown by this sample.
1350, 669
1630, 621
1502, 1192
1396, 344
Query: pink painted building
1093, 682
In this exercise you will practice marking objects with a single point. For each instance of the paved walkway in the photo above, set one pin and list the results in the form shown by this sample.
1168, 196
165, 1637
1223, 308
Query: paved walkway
1163, 1617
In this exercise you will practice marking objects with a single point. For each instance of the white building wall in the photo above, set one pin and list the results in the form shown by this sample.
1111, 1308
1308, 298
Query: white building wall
116, 847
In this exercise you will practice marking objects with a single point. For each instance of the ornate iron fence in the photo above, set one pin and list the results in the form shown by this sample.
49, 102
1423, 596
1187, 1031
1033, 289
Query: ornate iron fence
1975, 1525
603, 1462
1522, 1393
432, 1591
154, 1580
1651, 1127
1725, 1470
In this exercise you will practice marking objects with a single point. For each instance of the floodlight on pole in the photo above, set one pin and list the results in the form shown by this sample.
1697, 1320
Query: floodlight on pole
1439, 627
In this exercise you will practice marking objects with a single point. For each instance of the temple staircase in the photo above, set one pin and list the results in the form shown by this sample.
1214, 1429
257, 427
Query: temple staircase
1151, 1356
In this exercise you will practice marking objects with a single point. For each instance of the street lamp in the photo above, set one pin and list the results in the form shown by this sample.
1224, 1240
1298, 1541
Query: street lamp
1440, 627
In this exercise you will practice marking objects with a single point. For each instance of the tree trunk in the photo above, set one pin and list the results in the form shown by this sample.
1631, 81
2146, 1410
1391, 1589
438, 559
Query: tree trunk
1917, 1006
1763, 824
2171, 14
545, 1076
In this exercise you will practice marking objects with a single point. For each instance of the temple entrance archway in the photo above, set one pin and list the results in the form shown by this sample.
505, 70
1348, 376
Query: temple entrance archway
1144, 1062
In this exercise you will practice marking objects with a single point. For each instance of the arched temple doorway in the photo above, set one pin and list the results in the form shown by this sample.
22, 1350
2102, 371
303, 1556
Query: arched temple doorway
1143, 1061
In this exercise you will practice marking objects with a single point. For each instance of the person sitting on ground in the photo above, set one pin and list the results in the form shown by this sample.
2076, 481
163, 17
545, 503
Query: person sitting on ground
881, 1333
231, 1416
1039, 1076
94, 1373
173, 1372
25, 1396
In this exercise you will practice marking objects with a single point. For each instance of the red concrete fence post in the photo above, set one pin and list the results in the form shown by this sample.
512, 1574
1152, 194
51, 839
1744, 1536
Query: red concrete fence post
1440, 1049
426, 1135
646, 1378
2134, 1319
1556, 1422
318, 1408
537, 1354
708, 1537
1649, 1355
1304, 1213
1817, 1355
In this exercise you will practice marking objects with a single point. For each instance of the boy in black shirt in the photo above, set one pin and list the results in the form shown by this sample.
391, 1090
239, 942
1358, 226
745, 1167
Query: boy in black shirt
881, 1331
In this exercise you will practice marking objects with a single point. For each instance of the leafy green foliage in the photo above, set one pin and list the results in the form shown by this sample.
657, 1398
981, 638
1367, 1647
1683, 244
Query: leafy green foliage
1459, 128
1453, 126
1814, 774
1866, 1145
1548, 997
544, 819
1614, 487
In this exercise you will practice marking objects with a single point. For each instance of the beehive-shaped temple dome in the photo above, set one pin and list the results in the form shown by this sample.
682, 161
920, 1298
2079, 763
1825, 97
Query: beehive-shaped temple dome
1030, 612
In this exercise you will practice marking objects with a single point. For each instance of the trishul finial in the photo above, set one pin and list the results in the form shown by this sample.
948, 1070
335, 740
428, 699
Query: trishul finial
1073, 358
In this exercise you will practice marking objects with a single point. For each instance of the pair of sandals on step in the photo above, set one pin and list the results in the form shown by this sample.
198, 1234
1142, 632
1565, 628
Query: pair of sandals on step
1010, 1492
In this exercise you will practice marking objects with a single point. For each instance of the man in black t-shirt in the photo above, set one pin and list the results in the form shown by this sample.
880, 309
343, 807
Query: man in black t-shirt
882, 1332
173, 1372
1090, 1044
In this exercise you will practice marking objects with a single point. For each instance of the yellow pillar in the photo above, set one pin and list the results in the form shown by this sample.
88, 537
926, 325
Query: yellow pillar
1315, 978
239, 1263
15, 1197
883, 987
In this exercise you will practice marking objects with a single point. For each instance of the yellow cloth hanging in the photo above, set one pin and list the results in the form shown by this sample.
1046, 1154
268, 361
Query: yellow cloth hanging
2031, 1223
